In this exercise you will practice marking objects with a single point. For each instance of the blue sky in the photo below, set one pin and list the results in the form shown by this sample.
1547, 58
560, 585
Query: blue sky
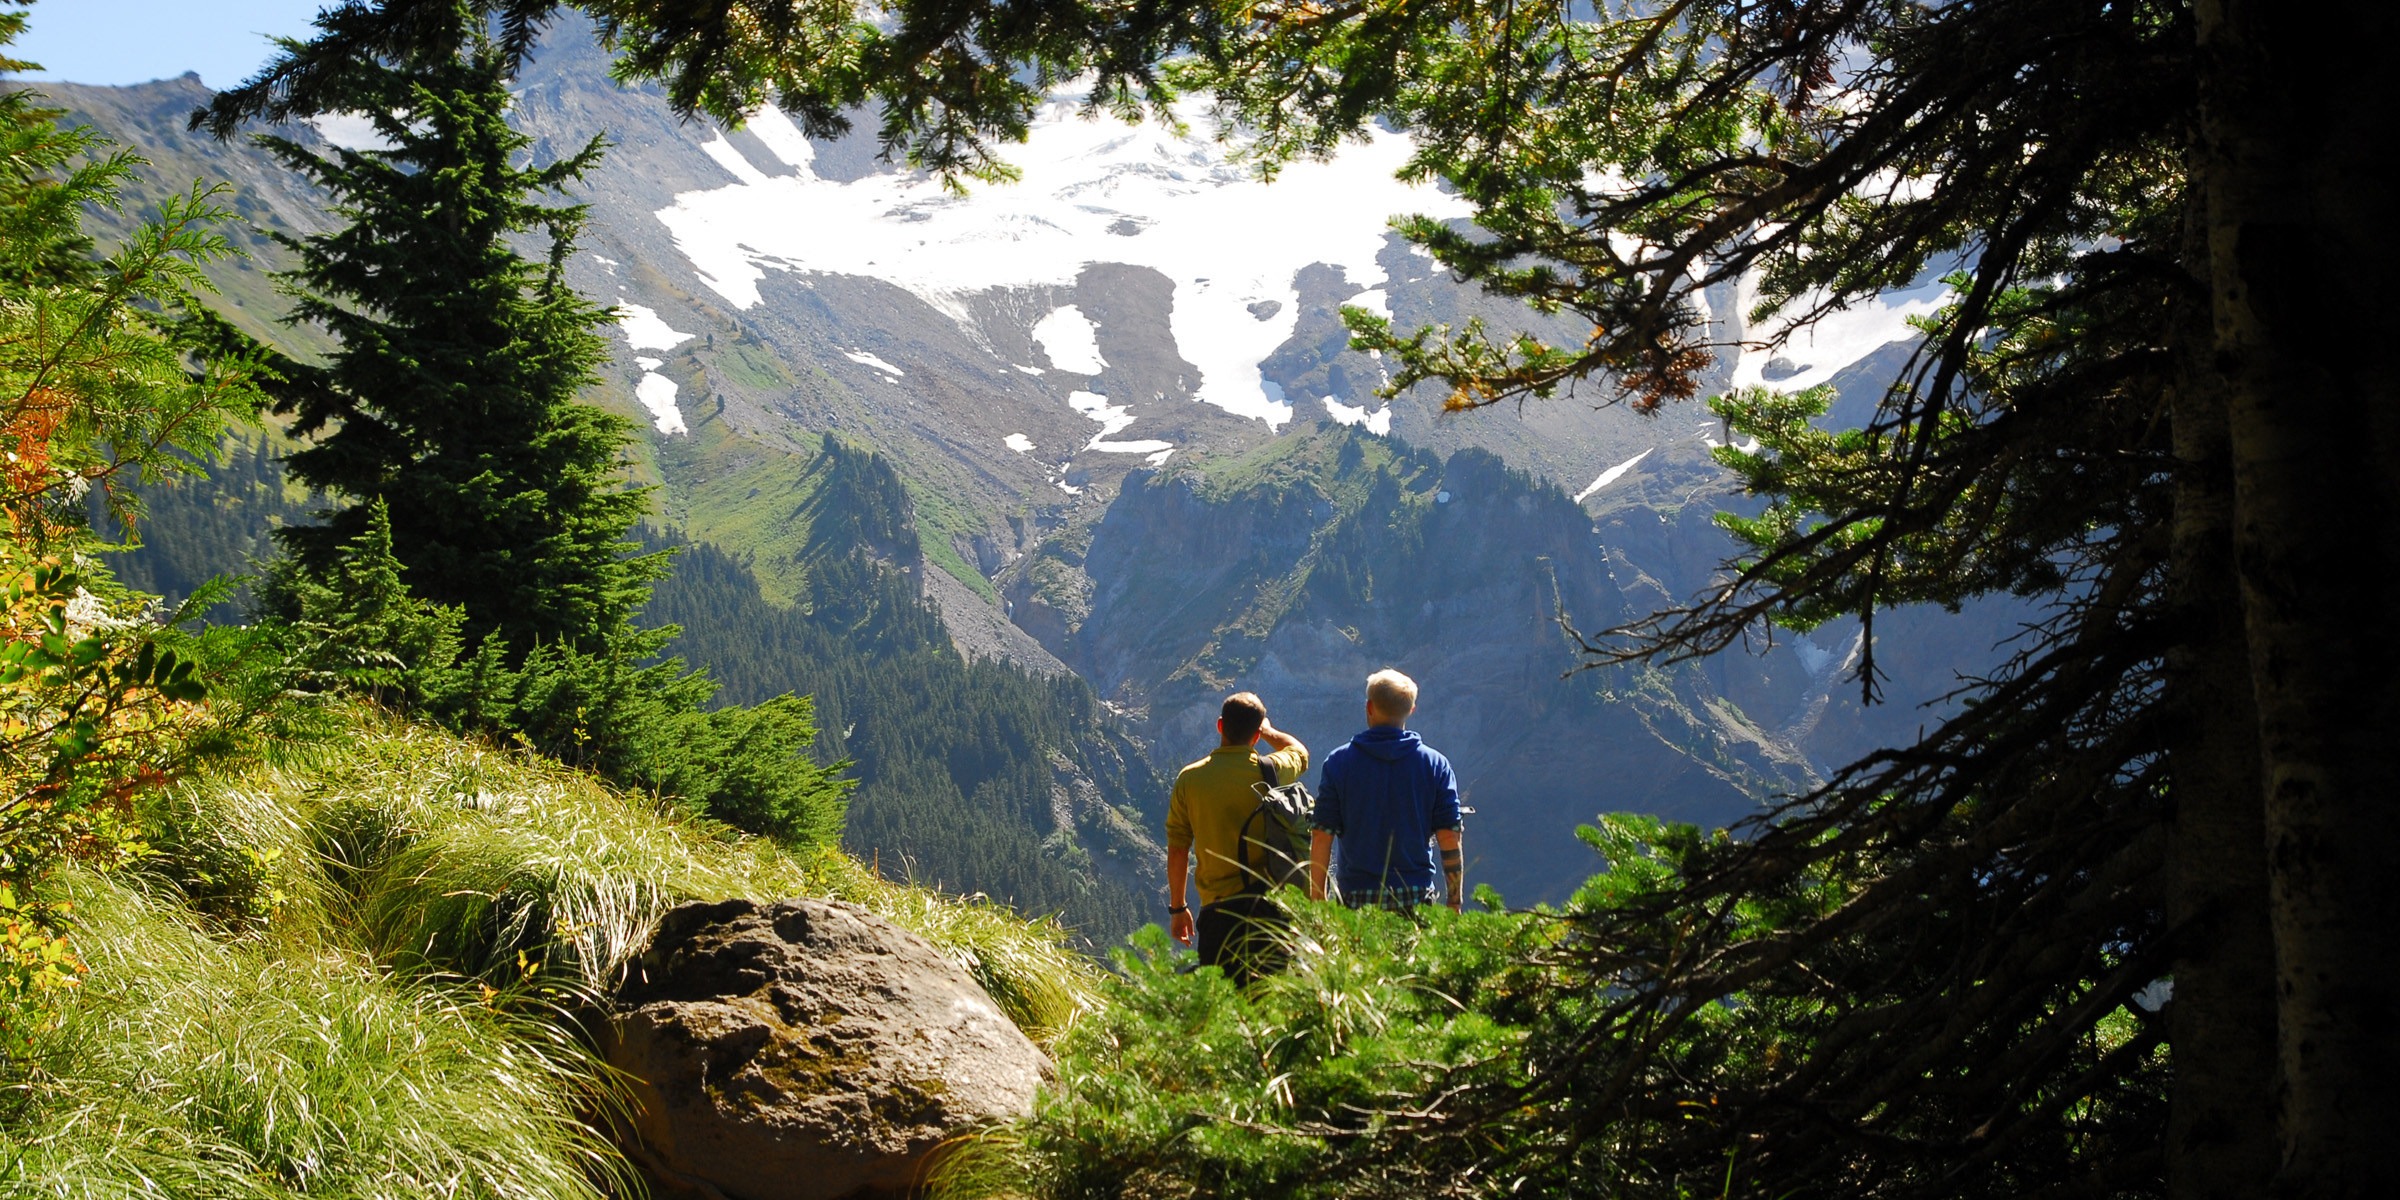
129, 41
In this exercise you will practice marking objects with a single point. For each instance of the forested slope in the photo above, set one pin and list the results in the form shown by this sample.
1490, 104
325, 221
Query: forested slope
976, 777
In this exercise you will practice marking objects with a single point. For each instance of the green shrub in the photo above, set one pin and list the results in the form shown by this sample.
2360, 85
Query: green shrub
1312, 1082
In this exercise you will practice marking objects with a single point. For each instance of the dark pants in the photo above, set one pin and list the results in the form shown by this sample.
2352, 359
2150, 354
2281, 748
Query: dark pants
1238, 935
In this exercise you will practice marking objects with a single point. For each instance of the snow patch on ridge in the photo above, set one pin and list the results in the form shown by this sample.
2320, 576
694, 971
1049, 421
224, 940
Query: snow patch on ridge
1374, 300
1018, 442
1226, 240
1612, 475
646, 330
726, 156
657, 393
1378, 422
782, 138
1070, 340
1838, 339
863, 358
1113, 419
1709, 439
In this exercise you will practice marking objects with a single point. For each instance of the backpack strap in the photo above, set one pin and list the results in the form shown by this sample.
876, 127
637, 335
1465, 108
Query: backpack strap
1241, 848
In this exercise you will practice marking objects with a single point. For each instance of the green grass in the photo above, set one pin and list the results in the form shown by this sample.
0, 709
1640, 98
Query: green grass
432, 853
274, 1066
750, 498
341, 973
753, 367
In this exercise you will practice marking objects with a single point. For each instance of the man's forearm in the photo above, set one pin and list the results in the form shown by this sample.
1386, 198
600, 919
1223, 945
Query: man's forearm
1320, 860
1454, 866
1178, 866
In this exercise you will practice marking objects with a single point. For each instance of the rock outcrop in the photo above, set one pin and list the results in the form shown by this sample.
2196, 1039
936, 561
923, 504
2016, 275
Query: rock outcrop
806, 1049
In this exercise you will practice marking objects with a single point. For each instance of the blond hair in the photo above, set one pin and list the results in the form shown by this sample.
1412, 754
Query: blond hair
1391, 694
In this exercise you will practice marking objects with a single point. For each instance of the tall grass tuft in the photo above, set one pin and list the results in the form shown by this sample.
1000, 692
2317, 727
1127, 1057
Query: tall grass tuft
444, 857
190, 1066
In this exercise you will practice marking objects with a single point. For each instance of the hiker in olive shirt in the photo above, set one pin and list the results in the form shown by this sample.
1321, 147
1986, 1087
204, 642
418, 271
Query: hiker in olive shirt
1212, 798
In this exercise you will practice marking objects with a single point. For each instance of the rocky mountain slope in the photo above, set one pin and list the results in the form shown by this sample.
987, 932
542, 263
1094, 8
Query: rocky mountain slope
1132, 443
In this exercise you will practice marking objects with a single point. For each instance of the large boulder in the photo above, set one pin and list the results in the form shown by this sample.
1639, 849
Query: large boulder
806, 1050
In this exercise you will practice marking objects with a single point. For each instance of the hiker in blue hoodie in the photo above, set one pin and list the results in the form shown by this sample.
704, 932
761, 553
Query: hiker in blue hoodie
1388, 801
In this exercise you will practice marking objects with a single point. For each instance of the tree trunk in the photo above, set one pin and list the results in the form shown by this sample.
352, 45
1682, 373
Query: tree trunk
2295, 116
2221, 1022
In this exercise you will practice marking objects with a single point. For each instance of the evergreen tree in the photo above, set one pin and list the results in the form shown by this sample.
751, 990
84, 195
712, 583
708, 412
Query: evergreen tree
448, 416
2067, 941
452, 400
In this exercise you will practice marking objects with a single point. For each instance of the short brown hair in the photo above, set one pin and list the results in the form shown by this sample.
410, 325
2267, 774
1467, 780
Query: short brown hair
1244, 713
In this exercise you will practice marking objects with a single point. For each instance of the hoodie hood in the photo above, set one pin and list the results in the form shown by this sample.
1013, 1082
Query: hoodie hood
1387, 744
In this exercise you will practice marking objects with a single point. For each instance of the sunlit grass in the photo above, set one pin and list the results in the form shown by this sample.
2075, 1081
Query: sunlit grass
350, 970
444, 855
192, 1066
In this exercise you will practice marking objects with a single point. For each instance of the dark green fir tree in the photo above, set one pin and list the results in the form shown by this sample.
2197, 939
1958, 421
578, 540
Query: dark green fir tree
481, 574
453, 397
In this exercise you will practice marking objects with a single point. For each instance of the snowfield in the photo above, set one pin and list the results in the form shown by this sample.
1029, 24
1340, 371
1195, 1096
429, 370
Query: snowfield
1835, 341
1092, 191
646, 330
657, 393
1378, 422
865, 359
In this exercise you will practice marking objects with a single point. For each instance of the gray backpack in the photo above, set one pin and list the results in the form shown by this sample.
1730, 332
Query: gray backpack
1275, 835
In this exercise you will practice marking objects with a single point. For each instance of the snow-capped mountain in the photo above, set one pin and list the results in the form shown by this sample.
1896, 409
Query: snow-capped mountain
1106, 311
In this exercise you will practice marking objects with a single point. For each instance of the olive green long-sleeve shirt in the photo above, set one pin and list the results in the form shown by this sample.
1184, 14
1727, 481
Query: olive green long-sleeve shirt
1212, 798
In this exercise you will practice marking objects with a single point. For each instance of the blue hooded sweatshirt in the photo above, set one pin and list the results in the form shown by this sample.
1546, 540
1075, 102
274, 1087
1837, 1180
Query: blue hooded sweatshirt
1381, 797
